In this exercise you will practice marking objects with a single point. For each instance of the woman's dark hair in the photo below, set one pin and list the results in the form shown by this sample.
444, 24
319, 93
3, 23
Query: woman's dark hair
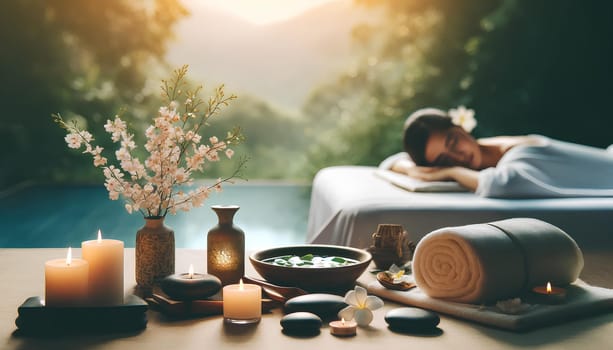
417, 130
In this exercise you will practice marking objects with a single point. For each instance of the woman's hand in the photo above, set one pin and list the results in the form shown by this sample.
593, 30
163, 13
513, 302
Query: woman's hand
466, 177
423, 173
426, 173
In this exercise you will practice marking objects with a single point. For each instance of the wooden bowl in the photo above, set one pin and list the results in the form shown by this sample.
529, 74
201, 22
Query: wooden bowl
312, 279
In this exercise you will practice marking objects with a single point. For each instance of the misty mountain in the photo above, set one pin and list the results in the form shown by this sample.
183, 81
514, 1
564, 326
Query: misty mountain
280, 62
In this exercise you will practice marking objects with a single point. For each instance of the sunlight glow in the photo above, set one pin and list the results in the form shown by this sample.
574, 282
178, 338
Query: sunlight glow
262, 11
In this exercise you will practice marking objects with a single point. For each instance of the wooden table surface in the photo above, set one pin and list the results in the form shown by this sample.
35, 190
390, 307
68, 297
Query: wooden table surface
22, 276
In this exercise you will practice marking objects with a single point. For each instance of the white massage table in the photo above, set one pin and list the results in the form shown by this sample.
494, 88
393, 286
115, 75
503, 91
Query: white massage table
348, 202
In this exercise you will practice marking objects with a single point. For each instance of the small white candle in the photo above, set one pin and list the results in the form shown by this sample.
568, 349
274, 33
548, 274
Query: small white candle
343, 328
242, 303
66, 281
105, 258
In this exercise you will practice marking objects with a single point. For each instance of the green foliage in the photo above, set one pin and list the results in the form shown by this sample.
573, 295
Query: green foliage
524, 66
274, 141
80, 58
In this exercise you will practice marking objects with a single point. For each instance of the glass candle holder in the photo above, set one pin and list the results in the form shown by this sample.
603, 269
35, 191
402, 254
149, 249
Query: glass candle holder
242, 303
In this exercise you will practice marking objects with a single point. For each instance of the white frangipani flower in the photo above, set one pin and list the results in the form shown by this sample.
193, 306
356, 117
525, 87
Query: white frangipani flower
398, 275
512, 306
463, 117
360, 306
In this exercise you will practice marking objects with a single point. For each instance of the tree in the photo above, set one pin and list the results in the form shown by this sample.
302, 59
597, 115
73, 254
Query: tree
79, 58
524, 66
274, 141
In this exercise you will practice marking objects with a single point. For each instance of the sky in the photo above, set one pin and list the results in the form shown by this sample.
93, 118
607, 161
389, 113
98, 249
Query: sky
261, 11
276, 50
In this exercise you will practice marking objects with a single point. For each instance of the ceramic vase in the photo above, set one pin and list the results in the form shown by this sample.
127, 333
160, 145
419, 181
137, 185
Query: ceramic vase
155, 252
226, 246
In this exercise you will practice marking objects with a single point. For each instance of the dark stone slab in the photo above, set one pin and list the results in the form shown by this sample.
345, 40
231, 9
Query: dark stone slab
36, 319
323, 305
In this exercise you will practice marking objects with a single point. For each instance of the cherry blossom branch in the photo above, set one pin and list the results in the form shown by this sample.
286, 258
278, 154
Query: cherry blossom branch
151, 187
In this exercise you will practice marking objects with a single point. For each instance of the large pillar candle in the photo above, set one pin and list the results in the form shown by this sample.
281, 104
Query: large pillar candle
105, 258
66, 281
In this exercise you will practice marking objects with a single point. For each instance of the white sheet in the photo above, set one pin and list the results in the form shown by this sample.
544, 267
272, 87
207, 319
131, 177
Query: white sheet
348, 202
553, 169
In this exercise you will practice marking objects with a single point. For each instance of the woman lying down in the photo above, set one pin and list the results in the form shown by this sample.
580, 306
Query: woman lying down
505, 166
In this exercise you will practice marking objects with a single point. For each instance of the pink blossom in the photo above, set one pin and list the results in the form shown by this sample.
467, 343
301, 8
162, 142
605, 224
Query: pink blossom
73, 140
218, 185
86, 136
180, 175
98, 160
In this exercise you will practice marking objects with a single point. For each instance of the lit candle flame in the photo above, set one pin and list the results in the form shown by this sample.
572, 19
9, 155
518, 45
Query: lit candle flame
343, 321
99, 236
69, 256
240, 285
548, 287
190, 273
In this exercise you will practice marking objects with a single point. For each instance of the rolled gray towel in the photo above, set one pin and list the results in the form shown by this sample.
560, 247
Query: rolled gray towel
494, 261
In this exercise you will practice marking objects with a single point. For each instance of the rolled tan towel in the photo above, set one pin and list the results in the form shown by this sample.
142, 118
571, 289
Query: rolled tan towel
494, 261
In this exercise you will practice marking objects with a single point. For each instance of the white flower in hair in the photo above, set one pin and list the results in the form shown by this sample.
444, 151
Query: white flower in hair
463, 117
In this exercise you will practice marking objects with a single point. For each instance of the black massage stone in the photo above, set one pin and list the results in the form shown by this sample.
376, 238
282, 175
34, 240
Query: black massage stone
412, 320
301, 323
323, 305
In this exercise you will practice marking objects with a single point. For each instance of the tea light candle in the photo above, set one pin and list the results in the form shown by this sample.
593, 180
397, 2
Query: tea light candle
105, 258
549, 294
242, 303
343, 328
66, 281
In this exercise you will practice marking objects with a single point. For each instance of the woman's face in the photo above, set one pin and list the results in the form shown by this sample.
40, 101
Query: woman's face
453, 147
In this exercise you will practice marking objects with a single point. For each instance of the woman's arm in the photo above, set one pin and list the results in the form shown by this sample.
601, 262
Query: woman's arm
402, 166
466, 177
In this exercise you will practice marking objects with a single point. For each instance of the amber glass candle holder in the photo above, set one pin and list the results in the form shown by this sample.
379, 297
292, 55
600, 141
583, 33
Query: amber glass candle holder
226, 247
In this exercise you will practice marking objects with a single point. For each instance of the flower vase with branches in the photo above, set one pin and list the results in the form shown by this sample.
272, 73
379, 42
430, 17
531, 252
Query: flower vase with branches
163, 181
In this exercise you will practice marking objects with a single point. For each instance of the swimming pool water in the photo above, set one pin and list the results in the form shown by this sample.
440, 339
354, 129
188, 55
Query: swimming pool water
60, 216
